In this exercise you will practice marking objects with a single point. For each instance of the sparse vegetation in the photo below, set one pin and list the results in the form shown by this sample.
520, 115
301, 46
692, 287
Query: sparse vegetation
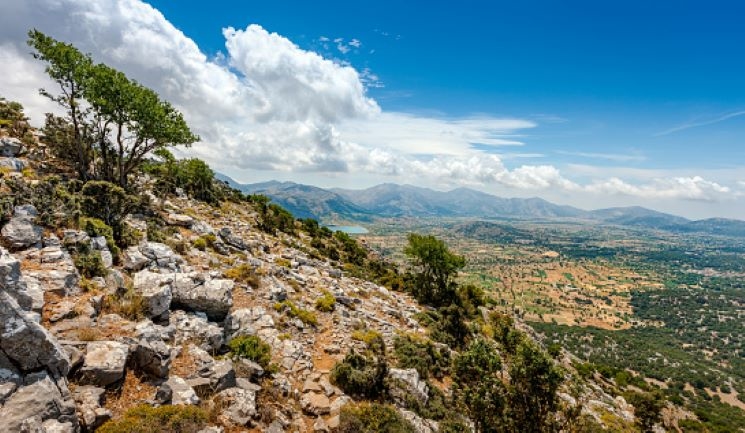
372, 418
326, 302
251, 347
306, 316
163, 419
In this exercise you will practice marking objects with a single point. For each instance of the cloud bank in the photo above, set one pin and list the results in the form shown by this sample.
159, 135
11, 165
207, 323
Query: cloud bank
267, 104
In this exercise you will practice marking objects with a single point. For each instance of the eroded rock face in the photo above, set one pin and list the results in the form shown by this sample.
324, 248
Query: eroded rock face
26, 343
134, 260
152, 357
21, 232
104, 363
40, 400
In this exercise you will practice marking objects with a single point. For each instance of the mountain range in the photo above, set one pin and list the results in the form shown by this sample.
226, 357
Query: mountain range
390, 200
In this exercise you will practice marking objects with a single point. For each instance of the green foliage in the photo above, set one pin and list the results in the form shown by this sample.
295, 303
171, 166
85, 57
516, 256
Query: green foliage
122, 123
292, 310
534, 380
243, 273
95, 228
326, 302
108, 202
363, 374
523, 400
273, 217
435, 267
421, 354
57, 203
163, 419
90, 264
372, 418
478, 385
193, 176
647, 409
14, 120
450, 327
251, 347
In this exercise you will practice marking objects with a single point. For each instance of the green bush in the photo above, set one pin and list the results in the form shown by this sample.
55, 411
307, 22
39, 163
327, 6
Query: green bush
199, 243
244, 273
107, 202
326, 302
193, 176
164, 419
421, 354
90, 264
95, 228
362, 375
372, 418
251, 347
292, 310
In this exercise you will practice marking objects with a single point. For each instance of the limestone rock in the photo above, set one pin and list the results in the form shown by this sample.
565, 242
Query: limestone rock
26, 291
10, 147
156, 289
239, 405
152, 357
175, 219
407, 381
227, 235
89, 401
176, 391
42, 399
161, 255
195, 328
104, 363
202, 228
420, 424
192, 292
315, 404
20, 232
133, 260
26, 343
12, 164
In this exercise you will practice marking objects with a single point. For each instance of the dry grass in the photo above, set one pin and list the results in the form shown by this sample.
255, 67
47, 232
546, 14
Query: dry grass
183, 364
133, 391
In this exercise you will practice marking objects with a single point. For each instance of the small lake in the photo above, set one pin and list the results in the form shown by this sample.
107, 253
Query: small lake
352, 230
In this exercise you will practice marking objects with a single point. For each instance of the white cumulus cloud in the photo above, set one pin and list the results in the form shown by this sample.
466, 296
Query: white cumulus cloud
267, 104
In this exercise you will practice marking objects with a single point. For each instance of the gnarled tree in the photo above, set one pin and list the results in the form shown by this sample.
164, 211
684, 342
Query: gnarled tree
114, 122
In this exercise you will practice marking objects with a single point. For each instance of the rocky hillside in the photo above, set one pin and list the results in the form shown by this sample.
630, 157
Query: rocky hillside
208, 311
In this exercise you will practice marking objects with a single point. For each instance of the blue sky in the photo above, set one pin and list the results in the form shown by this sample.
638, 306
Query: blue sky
587, 103
617, 74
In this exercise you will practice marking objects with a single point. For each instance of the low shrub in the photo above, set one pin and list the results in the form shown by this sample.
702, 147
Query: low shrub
251, 347
244, 273
326, 302
421, 354
363, 374
90, 264
95, 228
292, 310
163, 419
372, 418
